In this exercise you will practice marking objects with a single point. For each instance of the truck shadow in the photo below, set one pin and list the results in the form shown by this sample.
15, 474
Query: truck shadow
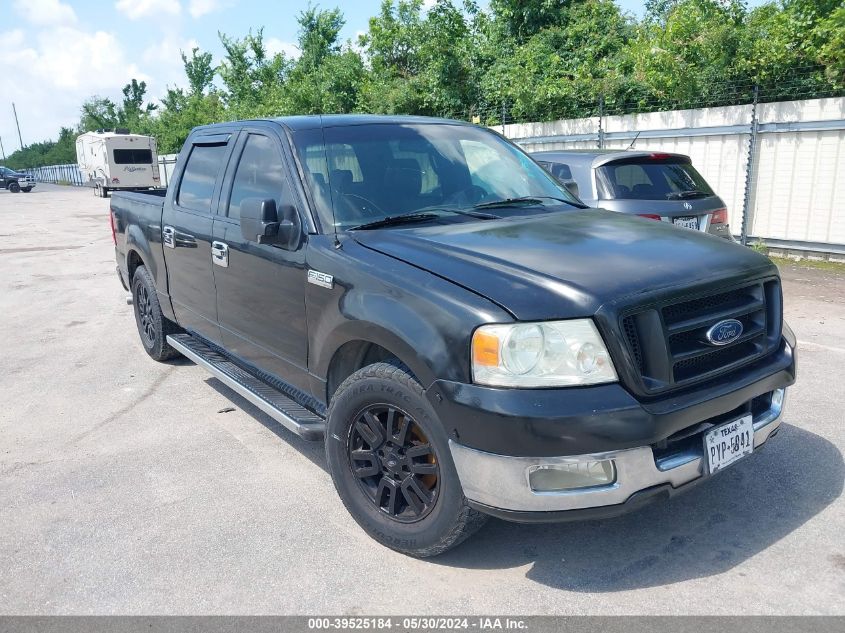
709, 530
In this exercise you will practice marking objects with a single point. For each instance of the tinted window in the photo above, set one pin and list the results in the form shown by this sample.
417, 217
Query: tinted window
650, 179
260, 174
197, 184
133, 156
360, 173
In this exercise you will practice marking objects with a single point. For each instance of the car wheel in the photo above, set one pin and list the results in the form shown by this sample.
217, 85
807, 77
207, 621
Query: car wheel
153, 327
27, 190
14, 187
389, 458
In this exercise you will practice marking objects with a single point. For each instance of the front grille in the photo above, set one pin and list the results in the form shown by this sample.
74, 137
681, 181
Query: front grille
668, 345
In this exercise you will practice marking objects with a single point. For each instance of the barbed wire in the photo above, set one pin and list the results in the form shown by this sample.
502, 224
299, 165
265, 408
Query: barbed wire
806, 82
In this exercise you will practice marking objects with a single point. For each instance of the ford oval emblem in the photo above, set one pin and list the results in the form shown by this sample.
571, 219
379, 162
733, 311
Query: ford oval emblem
724, 332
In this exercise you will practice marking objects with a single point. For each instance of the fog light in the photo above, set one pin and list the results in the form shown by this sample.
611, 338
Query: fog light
571, 475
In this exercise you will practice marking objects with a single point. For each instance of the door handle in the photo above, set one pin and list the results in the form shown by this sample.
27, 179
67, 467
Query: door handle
220, 254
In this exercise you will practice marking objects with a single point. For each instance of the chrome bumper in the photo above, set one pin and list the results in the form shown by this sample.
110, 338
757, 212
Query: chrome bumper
500, 481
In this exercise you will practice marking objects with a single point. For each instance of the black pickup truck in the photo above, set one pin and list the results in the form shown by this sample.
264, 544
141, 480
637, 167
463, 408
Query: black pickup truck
469, 339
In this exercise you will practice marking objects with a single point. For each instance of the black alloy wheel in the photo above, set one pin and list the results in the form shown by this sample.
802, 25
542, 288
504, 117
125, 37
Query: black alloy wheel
393, 462
146, 316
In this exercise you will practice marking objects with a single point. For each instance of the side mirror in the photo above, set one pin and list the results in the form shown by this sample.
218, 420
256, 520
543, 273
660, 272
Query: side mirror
260, 223
571, 186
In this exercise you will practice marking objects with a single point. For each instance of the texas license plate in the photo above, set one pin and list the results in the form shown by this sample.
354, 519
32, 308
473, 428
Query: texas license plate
686, 221
728, 443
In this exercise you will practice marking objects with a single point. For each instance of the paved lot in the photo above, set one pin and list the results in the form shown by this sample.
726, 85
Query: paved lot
123, 489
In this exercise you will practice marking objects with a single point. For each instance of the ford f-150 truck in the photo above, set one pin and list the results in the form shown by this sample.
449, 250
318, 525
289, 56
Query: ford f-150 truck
468, 338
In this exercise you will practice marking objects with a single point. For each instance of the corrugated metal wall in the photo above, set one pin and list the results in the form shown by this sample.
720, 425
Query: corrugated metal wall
798, 193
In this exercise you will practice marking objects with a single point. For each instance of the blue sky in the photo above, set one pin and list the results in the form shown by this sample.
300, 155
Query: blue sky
64, 51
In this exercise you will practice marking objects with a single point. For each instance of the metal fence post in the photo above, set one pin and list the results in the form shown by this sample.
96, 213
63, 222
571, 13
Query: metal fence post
601, 121
749, 168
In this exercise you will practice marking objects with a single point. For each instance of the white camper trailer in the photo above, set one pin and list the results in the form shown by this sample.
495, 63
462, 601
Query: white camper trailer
114, 161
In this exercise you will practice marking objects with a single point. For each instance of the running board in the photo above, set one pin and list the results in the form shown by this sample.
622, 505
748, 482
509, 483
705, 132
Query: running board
274, 403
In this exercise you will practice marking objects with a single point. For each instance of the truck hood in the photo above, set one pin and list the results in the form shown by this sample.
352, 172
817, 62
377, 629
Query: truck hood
567, 264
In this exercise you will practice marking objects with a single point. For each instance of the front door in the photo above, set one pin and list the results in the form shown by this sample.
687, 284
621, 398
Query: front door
261, 287
187, 235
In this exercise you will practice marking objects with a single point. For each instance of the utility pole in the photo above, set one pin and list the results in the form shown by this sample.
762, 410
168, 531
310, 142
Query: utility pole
2, 150
20, 138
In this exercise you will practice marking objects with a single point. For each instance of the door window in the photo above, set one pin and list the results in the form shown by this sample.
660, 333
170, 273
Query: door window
197, 185
260, 174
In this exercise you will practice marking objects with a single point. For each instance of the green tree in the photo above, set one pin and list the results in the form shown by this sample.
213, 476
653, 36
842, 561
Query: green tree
521, 19
98, 113
327, 76
199, 70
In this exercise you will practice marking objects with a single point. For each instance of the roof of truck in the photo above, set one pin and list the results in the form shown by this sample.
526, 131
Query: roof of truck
312, 121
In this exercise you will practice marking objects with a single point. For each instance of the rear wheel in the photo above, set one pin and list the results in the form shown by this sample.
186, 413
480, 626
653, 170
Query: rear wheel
153, 327
390, 462
27, 190
14, 187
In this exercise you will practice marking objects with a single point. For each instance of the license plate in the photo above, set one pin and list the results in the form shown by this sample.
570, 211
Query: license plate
687, 222
728, 443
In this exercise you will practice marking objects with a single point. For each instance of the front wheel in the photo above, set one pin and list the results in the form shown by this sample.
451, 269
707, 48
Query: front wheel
389, 458
14, 187
153, 327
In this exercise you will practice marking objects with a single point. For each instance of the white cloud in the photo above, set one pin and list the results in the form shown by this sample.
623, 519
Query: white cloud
136, 9
199, 8
275, 45
45, 12
65, 65
164, 62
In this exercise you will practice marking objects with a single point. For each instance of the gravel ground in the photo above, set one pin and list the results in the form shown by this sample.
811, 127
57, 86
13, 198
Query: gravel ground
124, 489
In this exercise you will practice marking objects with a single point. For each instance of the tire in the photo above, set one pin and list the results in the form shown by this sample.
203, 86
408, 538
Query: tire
153, 327
393, 465
105, 192
14, 187
27, 190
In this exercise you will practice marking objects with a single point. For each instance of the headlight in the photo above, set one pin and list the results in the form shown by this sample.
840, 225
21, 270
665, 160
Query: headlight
548, 354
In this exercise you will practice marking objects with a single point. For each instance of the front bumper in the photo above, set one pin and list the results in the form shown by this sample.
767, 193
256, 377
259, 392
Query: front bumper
499, 484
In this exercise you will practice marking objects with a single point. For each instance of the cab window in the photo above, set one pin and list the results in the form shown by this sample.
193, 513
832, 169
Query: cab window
197, 185
260, 174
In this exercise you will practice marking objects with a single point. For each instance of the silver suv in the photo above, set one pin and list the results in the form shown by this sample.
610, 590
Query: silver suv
655, 185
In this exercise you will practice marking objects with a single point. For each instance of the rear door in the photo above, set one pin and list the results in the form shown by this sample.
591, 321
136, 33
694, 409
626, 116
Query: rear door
261, 287
187, 225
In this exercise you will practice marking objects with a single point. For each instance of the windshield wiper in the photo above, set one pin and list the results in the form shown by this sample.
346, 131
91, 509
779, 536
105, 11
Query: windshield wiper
393, 220
468, 212
525, 200
421, 215
691, 193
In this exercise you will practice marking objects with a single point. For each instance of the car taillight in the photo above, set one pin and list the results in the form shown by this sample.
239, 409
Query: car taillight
719, 216
650, 216
113, 228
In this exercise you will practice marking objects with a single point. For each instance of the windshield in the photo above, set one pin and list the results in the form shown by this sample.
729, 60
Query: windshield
364, 173
649, 178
